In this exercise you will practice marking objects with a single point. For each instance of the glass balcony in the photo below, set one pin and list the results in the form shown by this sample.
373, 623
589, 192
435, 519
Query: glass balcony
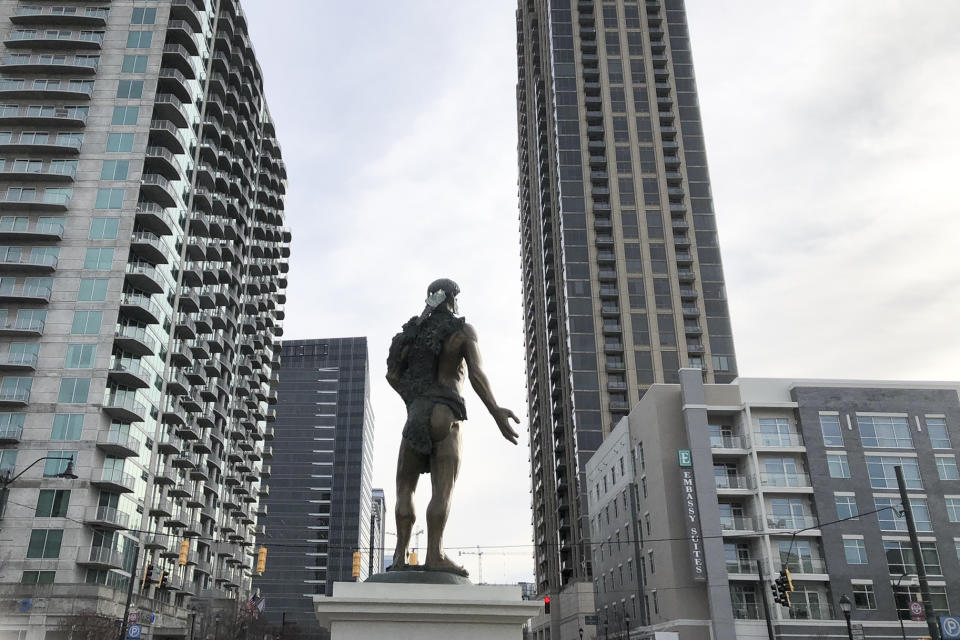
806, 564
728, 442
20, 361
135, 340
124, 407
36, 262
99, 557
742, 566
114, 480
15, 397
733, 481
777, 440
738, 523
43, 63
10, 434
119, 444
140, 308
786, 480
791, 523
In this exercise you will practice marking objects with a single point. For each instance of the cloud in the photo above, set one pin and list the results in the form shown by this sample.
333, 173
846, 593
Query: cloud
832, 143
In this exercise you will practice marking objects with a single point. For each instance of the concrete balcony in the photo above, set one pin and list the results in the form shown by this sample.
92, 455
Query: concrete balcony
114, 480
134, 340
130, 373
145, 277
86, 17
48, 63
156, 218
124, 407
99, 558
119, 444
141, 308
106, 518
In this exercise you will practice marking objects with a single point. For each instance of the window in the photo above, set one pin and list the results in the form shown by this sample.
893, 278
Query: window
8, 459
45, 543
38, 577
80, 356
846, 506
139, 39
119, 142
953, 509
900, 557
98, 258
11, 423
109, 198
130, 89
838, 465
883, 476
115, 170
86, 322
53, 503
67, 426
776, 432
947, 467
125, 115
939, 436
863, 597
830, 428
74, 390
144, 16
905, 594
855, 551
57, 462
891, 520
104, 228
134, 64
92, 289
885, 431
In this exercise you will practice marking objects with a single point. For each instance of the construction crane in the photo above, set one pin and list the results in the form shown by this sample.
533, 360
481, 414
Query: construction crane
479, 555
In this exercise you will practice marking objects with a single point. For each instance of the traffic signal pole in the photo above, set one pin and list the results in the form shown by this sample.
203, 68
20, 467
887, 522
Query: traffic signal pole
133, 578
761, 586
932, 626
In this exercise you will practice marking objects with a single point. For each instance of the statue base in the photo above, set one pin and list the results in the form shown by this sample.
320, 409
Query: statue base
410, 611
418, 574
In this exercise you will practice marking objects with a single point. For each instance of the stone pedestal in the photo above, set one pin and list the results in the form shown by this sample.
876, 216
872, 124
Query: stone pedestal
377, 611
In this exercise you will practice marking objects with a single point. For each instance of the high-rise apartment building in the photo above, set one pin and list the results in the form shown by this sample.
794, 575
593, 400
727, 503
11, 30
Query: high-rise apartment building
143, 264
378, 529
622, 278
706, 486
320, 496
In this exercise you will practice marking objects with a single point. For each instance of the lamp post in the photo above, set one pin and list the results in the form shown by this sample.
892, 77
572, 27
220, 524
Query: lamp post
626, 619
581, 633
903, 633
6, 480
846, 606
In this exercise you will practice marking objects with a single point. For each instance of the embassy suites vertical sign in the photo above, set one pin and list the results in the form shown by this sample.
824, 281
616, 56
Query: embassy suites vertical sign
691, 515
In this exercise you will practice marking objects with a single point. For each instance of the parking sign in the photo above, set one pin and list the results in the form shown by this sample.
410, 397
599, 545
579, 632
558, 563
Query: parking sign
133, 632
950, 627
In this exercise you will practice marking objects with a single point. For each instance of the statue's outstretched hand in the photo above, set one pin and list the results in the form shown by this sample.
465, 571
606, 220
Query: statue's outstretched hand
502, 416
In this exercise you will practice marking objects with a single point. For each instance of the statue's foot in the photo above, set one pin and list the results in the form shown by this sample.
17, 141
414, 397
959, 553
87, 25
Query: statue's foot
443, 563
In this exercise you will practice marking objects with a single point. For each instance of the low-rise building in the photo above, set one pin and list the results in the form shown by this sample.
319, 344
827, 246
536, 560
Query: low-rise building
704, 488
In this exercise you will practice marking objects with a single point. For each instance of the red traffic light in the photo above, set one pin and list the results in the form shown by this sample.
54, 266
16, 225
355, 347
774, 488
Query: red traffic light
546, 604
546, 600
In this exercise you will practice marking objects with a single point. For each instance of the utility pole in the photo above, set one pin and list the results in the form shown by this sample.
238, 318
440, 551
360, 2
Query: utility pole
762, 587
133, 578
932, 626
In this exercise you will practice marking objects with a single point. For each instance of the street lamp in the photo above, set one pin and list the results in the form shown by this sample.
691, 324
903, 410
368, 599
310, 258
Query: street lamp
6, 480
581, 633
846, 606
903, 633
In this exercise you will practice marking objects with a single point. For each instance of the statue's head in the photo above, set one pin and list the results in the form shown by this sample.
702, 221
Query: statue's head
443, 293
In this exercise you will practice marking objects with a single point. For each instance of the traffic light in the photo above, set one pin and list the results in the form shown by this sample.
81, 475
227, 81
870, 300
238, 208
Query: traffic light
546, 604
782, 587
262, 560
184, 551
147, 576
162, 583
357, 559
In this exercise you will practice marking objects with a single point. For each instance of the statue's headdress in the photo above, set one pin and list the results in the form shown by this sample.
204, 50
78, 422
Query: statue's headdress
438, 292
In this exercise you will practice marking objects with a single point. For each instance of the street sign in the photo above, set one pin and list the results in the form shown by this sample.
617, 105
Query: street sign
916, 611
133, 632
950, 627
132, 617
686, 460
856, 632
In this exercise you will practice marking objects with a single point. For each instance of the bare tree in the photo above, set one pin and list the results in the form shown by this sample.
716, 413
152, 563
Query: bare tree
88, 625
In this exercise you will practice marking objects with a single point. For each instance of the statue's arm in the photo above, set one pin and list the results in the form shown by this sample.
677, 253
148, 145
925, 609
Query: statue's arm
478, 380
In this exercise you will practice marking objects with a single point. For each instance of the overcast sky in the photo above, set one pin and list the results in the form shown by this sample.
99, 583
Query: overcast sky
832, 137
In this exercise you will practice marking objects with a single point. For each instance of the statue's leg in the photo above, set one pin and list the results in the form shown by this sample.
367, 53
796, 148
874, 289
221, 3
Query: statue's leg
444, 467
409, 464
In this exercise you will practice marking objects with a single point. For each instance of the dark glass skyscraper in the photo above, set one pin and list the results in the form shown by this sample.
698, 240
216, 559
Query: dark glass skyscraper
320, 496
622, 278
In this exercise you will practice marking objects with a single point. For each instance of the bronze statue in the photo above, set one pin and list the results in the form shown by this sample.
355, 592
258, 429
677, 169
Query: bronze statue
426, 367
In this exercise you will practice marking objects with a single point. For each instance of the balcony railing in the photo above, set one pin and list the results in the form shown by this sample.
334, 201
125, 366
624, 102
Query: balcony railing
806, 564
109, 516
790, 523
777, 440
103, 556
742, 565
733, 481
785, 479
728, 442
738, 523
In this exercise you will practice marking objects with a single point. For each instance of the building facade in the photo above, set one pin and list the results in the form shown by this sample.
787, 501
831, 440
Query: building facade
143, 264
622, 277
320, 503
378, 523
781, 473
